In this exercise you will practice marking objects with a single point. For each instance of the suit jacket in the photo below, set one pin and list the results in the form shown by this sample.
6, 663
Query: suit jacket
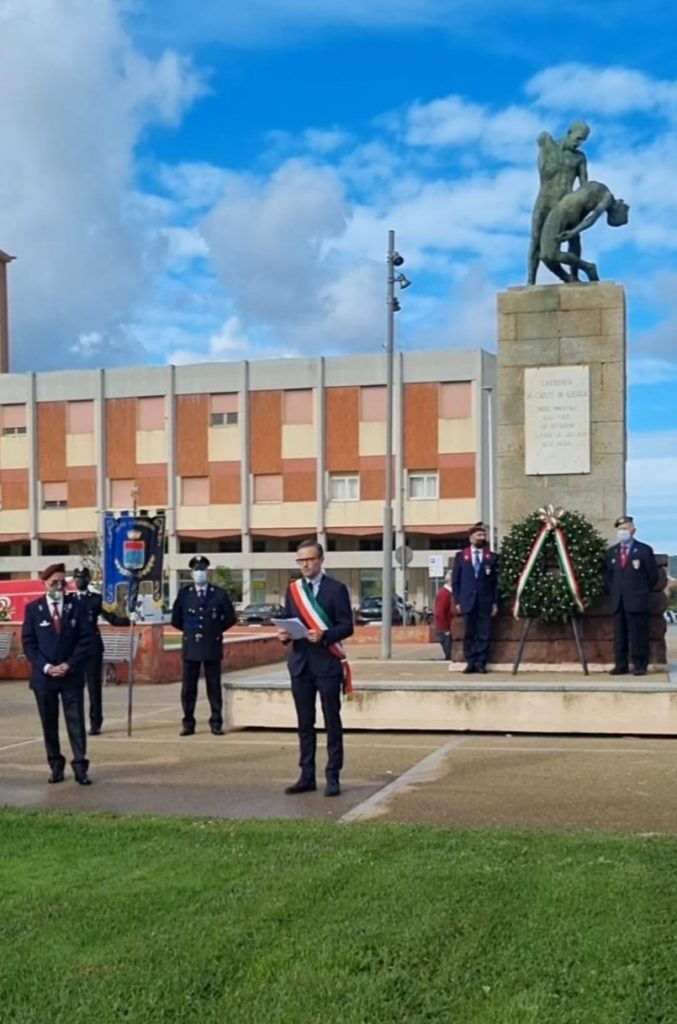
473, 592
203, 623
443, 610
630, 587
334, 599
92, 606
42, 645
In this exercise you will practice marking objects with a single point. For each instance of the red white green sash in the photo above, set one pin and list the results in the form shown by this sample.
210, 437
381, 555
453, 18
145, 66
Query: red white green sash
315, 617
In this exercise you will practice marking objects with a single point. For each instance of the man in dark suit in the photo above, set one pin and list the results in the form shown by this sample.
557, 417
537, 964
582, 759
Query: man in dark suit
56, 641
203, 613
475, 589
632, 574
315, 664
91, 604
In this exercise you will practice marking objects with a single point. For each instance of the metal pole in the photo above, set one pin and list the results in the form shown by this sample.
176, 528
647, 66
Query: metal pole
387, 583
130, 687
490, 456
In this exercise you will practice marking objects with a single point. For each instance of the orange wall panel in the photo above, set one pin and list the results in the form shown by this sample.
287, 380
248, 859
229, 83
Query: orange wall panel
192, 436
342, 429
458, 481
121, 438
265, 432
421, 413
224, 483
14, 488
299, 486
372, 484
52, 441
153, 490
82, 494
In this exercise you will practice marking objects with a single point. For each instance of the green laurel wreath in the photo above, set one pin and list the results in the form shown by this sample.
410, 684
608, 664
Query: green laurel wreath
546, 595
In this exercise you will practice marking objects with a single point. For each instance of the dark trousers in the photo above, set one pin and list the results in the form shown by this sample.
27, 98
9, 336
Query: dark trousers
191, 674
73, 704
94, 677
477, 637
305, 689
445, 641
631, 630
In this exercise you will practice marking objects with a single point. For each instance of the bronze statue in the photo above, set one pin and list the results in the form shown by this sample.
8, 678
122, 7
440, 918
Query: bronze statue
560, 165
573, 214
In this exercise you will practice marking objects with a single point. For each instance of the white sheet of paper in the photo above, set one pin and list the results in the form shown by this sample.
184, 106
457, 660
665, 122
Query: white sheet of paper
296, 629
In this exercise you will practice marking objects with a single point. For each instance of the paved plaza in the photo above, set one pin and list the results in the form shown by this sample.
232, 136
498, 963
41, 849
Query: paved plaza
454, 780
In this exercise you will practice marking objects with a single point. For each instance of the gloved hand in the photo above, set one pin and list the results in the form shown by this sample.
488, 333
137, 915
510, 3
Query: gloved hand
134, 617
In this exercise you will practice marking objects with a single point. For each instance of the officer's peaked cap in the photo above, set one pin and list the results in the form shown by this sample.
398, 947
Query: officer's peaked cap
198, 562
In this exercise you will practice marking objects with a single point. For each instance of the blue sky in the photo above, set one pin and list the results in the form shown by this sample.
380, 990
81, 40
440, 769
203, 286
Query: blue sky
215, 180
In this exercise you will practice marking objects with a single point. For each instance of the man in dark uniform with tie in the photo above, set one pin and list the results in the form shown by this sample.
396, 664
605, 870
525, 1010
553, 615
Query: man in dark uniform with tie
203, 613
474, 584
632, 574
56, 640
92, 605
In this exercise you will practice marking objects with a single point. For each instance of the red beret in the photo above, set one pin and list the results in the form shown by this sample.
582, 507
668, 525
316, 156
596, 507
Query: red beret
51, 569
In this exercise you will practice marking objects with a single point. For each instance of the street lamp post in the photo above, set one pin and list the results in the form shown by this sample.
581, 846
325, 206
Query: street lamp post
392, 304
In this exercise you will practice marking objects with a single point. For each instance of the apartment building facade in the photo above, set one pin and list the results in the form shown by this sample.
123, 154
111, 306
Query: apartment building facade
249, 458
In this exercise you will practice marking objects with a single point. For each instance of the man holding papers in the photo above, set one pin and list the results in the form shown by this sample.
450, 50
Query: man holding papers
317, 664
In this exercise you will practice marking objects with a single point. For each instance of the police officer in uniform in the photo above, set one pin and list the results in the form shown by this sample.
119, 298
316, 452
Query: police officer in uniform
203, 613
91, 604
632, 573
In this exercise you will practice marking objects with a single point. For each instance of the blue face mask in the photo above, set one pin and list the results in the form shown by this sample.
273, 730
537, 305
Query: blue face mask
200, 577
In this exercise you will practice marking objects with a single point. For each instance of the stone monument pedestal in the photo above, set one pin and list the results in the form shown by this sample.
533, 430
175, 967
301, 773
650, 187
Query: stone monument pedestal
561, 419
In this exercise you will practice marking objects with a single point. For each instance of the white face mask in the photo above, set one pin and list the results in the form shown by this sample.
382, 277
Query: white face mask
624, 536
200, 577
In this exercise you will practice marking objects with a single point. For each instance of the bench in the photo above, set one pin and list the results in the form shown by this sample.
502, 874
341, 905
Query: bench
5, 645
116, 651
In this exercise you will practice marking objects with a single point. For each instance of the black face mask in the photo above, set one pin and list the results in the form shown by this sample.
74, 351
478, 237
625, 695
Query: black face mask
81, 583
481, 543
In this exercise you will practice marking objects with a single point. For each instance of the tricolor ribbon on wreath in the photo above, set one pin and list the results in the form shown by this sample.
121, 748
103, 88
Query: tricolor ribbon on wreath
315, 617
550, 518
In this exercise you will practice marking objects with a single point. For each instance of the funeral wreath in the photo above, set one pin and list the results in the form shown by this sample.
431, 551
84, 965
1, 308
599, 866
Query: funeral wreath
552, 565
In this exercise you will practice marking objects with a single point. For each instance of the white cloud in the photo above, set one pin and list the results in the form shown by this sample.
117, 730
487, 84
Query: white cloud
75, 97
603, 91
652, 487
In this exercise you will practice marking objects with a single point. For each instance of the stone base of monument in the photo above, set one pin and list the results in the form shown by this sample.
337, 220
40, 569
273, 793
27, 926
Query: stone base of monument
551, 647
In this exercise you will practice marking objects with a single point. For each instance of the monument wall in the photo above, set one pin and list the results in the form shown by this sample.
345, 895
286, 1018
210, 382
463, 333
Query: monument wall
561, 401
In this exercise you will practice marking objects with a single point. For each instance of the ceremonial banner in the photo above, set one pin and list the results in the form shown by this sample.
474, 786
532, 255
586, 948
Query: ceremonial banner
133, 553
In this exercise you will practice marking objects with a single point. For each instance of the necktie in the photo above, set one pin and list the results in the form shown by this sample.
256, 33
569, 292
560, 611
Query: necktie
624, 555
56, 618
477, 562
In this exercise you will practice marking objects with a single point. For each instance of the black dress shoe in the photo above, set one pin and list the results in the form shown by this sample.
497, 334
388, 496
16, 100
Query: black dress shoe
639, 671
83, 779
468, 670
217, 731
302, 786
482, 669
187, 730
57, 775
619, 670
94, 732
332, 788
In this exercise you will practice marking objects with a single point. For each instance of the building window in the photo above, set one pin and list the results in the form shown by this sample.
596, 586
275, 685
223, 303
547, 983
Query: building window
55, 495
121, 494
422, 486
13, 420
151, 413
297, 407
344, 488
456, 400
267, 488
195, 490
223, 419
80, 417
373, 404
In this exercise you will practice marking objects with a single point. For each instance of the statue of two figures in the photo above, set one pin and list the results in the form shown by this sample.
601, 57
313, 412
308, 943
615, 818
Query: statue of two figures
561, 212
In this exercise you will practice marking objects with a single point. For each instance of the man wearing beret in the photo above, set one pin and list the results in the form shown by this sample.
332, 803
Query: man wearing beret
203, 613
475, 588
632, 574
56, 641
91, 604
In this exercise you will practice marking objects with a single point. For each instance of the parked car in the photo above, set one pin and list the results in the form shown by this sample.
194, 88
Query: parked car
260, 614
370, 612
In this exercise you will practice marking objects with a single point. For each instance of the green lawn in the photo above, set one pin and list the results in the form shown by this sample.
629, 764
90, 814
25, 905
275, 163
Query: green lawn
140, 920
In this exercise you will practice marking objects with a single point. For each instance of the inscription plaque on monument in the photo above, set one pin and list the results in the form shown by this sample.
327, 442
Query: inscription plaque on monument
556, 420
